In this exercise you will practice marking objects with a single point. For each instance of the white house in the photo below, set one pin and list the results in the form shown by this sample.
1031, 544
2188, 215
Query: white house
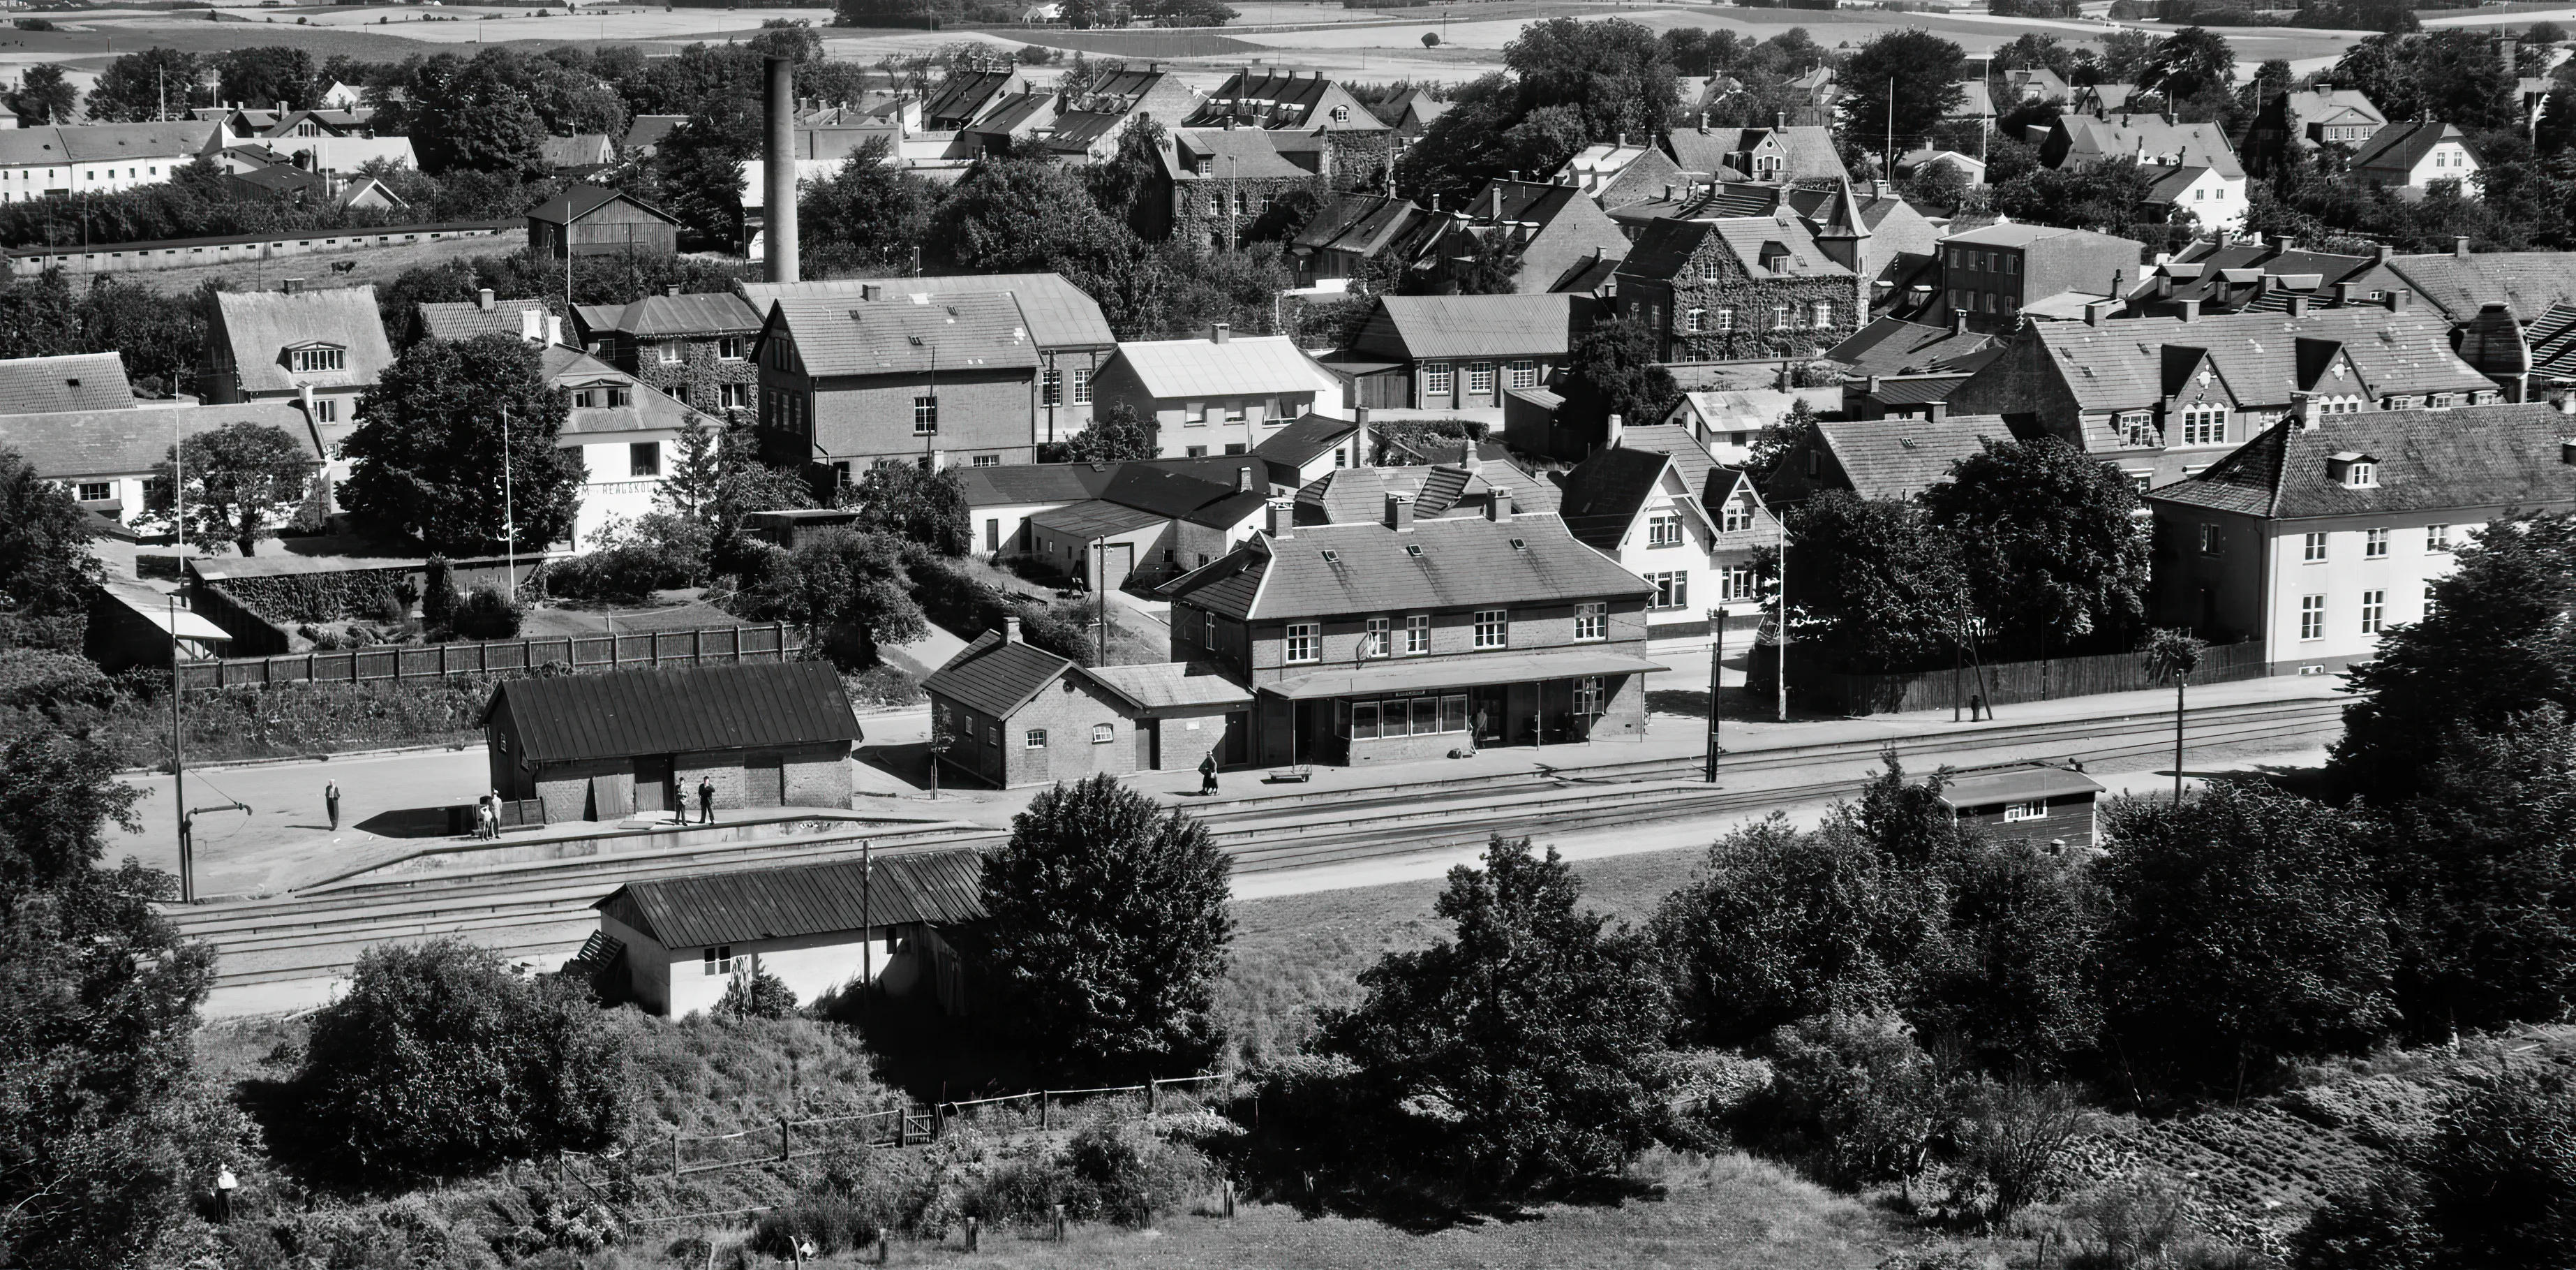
1219, 395
1654, 501
628, 434
97, 158
1726, 422
2208, 193
103, 457
2409, 157
673, 945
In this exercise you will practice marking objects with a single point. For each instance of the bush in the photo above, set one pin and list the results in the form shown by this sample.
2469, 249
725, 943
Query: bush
440, 1062
486, 612
630, 561
757, 995
1853, 1099
36, 679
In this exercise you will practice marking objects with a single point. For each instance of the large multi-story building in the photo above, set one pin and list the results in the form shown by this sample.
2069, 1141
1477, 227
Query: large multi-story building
1995, 272
98, 158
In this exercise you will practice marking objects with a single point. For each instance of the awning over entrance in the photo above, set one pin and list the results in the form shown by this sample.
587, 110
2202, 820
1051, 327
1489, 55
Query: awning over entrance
1465, 672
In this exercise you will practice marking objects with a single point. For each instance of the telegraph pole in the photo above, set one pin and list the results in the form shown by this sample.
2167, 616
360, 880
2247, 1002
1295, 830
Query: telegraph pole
509, 513
1716, 655
179, 771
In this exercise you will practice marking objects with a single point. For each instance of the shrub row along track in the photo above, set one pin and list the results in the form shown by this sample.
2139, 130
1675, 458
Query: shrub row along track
540, 911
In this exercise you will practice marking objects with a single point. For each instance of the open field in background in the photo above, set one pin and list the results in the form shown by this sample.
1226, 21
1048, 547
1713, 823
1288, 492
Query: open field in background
376, 265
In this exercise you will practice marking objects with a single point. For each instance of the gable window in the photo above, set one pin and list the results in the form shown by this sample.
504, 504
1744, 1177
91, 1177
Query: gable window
1417, 634
1664, 529
1341, 114
2374, 544
1305, 641
1521, 374
1672, 590
1493, 627
1592, 621
323, 358
2136, 427
1736, 515
2204, 425
2312, 548
2374, 612
925, 415
1436, 379
1380, 640
644, 458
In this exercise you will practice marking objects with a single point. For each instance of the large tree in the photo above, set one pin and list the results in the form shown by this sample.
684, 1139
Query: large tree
242, 481
870, 211
473, 116
901, 499
1896, 84
2493, 1184
2240, 931
2499, 640
848, 591
2191, 65
1874, 584
269, 75
1614, 71
1109, 931
158, 83
1513, 1056
47, 574
43, 96
1616, 368
2049, 540
427, 457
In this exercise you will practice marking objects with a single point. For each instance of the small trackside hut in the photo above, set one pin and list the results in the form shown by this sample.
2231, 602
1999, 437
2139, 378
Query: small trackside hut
638, 743
2034, 803
672, 945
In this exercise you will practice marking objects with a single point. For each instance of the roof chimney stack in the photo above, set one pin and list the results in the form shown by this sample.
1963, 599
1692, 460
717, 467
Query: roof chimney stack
1958, 321
1613, 431
1280, 518
1498, 505
1243, 479
1220, 332
483, 299
1011, 630
1399, 513
2399, 300
2298, 305
2460, 246
2188, 310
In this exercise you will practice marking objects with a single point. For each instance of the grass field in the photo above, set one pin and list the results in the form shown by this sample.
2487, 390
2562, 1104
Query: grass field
376, 265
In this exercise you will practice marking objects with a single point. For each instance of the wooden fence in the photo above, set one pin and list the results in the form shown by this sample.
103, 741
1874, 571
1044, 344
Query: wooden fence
642, 650
2011, 682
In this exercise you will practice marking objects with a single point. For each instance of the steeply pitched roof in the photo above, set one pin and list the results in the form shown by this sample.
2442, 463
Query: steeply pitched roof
1224, 154
2427, 460
647, 408
742, 906
1173, 369
2120, 364
1893, 346
1441, 326
632, 712
2396, 149
994, 676
646, 131
966, 93
1266, 98
1447, 562
2459, 285
1899, 458
1810, 149
125, 441
2148, 139
1361, 224
581, 151
465, 319
1700, 471
1768, 248
1059, 314
260, 325
74, 381
840, 335
1604, 493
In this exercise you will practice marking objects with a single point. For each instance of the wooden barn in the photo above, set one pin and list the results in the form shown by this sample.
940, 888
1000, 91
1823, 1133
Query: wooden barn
589, 220
671, 945
637, 743
2033, 803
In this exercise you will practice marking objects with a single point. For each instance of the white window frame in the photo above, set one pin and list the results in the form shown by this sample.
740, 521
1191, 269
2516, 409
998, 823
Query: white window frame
1082, 385
1664, 529
925, 414
1417, 634
2036, 809
2312, 618
1521, 373
2374, 544
1304, 643
1380, 640
1439, 379
1480, 379
2374, 611
718, 960
1592, 620
1735, 517
1672, 589
1103, 733
1493, 628
2437, 538
2312, 548
2204, 425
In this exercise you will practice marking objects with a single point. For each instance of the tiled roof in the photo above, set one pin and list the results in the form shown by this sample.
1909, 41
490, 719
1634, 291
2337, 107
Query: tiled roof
585, 150
1893, 346
1018, 483
1810, 149
2326, 104
74, 381
2150, 139
1059, 314
994, 676
1667, 246
1229, 153
1175, 369
696, 313
1094, 518
626, 713
1361, 224
1915, 390
647, 408
2527, 281
2427, 460
465, 319
2120, 364
1170, 684
261, 325
2398, 147
647, 131
2170, 187
746, 905
1304, 439
1899, 458
1442, 326
1350, 495
965, 93
127, 441
1701, 472
103, 142
840, 335
1604, 493
1448, 562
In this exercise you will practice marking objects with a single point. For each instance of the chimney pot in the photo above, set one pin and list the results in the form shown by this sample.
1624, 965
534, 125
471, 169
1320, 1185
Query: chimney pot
2380, 252
1872, 389
1958, 321
672, 289
2343, 293
483, 299
1220, 332
1011, 630
1780, 119
2284, 244
2097, 312
1243, 478
1614, 431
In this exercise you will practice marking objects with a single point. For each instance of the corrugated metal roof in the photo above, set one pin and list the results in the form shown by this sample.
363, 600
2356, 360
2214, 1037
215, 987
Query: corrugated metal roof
1985, 789
693, 313
709, 910
995, 677
1242, 365
75, 381
677, 711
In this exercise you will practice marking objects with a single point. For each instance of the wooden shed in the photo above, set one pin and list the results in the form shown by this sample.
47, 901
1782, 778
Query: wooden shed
590, 220
672, 945
637, 743
2032, 803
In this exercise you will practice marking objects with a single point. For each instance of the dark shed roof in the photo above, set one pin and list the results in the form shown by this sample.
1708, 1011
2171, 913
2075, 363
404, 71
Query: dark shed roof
809, 899
995, 676
676, 711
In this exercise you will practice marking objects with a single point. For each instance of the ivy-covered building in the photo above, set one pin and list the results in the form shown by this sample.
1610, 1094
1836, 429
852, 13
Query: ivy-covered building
1218, 183
696, 348
1727, 287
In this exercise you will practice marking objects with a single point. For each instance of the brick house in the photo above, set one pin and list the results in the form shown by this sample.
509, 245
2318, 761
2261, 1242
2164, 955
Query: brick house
318, 351
1087, 125
696, 348
1552, 233
1218, 182
1459, 352
1148, 524
1995, 272
2306, 118
1219, 395
1730, 288
1359, 144
2162, 398
1014, 714
1356, 233
850, 383
1406, 639
2325, 531
638, 742
1884, 239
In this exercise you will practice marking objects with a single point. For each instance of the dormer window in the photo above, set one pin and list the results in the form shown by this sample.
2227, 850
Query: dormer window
2354, 470
318, 357
1341, 114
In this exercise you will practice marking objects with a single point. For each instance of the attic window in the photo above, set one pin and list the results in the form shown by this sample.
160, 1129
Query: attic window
1331, 556
1413, 549
2354, 470
916, 340
1519, 545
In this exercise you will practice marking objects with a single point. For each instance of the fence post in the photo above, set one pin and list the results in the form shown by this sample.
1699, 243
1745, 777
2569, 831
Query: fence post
902, 1122
1228, 1184
697, 647
675, 1153
1042, 1110
1056, 1211
1152, 1087
786, 1143
970, 1234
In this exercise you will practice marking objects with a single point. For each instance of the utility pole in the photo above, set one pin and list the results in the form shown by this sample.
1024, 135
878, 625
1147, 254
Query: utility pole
1716, 655
179, 769
1780, 664
1890, 152
509, 513
1100, 582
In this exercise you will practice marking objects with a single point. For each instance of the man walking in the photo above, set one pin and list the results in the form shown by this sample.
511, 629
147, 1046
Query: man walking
1207, 775
331, 800
225, 1185
706, 801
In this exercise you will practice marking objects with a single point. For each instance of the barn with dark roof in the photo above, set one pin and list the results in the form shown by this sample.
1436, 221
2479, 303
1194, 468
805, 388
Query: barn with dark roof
639, 743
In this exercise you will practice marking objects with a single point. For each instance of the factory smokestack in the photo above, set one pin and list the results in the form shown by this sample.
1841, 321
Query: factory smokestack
780, 171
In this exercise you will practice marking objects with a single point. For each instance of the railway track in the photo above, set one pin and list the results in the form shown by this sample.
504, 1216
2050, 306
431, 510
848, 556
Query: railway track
540, 910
